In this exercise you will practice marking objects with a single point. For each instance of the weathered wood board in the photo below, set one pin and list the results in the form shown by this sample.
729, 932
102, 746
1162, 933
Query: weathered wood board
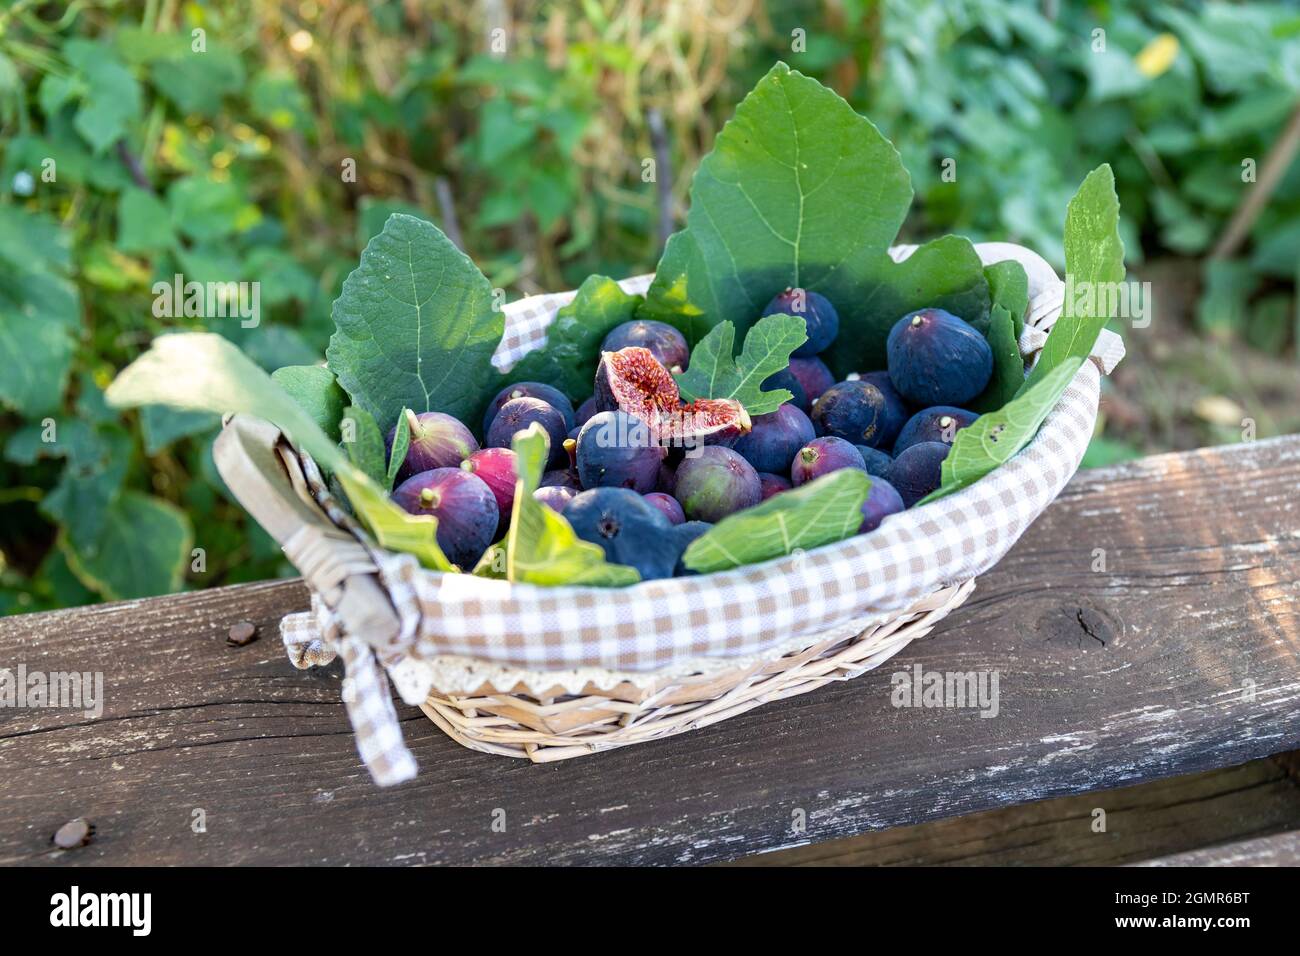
1147, 625
1159, 819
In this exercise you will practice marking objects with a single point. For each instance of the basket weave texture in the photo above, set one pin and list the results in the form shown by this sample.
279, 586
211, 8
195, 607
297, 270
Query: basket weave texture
551, 673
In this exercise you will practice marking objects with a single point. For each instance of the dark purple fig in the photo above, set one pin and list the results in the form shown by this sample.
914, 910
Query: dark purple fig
813, 376
437, 441
877, 461
667, 479
786, 379
714, 482
464, 506
773, 439
668, 505
664, 342
860, 412
517, 414
937, 359
547, 393
683, 535
496, 467
821, 456
882, 501
772, 484
584, 412
815, 309
615, 450
630, 530
561, 478
555, 497
940, 423
918, 470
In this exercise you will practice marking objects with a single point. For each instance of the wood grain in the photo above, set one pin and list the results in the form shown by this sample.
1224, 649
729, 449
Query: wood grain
1181, 654
1157, 819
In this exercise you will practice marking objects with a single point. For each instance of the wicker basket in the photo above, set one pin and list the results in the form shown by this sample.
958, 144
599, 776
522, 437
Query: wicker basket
541, 715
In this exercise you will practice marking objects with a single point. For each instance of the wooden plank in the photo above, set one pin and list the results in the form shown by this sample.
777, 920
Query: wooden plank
1282, 849
1155, 819
1182, 654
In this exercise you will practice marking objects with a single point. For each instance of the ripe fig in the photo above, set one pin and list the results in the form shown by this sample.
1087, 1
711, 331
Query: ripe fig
787, 379
813, 375
517, 414
937, 359
770, 445
716, 482
464, 506
683, 535
882, 501
918, 470
772, 484
861, 412
555, 497
817, 312
940, 423
630, 530
584, 412
877, 461
821, 456
437, 441
548, 393
561, 478
664, 342
666, 482
633, 381
496, 467
668, 505
616, 450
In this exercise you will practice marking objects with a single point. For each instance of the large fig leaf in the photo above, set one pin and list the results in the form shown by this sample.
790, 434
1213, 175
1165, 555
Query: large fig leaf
415, 326
568, 359
820, 512
801, 191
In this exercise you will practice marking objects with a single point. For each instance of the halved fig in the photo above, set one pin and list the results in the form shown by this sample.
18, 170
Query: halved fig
632, 380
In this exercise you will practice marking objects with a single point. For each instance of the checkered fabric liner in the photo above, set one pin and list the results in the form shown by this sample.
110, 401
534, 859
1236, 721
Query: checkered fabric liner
655, 625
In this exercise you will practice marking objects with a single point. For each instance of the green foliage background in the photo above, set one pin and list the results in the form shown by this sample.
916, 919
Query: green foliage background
229, 164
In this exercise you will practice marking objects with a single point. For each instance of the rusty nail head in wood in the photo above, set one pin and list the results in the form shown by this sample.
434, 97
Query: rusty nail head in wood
73, 834
245, 632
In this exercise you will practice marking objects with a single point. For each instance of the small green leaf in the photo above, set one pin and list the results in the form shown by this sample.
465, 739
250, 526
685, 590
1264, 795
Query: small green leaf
201, 371
713, 373
392, 527
823, 511
163, 425
415, 327
364, 444
90, 483
143, 222
141, 550
1094, 258
401, 445
1009, 288
568, 359
1008, 364
993, 438
541, 547
313, 387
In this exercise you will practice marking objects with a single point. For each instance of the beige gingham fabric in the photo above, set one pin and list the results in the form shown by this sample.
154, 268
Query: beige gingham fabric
656, 624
